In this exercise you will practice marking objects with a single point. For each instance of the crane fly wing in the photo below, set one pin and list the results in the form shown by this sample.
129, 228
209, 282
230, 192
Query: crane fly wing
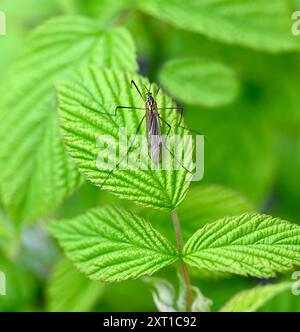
154, 137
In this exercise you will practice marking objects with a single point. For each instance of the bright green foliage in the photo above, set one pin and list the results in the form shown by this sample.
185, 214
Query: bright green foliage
252, 299
250, 244
33, 11
205, 82
207, 203
5, 235
259, 24
87, 109
203, 204
18, 286
207, 54
284, 302
69, 290
9, 48
106, 11
35, 172
110, 244
241, 146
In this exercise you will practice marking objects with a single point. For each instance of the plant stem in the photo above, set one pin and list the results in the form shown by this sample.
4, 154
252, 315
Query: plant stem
183, 269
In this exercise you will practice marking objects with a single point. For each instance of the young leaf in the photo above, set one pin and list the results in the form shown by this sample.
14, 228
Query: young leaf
69, 290
35, 172
205, 82
260, 24
252, 299
250, 244
87, 106
200, 303
110, 244
169, 299
165, 297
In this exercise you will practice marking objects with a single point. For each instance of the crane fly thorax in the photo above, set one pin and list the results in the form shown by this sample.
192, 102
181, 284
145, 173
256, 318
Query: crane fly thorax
151, 104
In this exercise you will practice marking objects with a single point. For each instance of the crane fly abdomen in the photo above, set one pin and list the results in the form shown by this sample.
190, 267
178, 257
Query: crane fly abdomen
153, 131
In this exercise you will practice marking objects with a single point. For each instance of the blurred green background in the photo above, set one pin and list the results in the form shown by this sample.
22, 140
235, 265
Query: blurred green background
252, 147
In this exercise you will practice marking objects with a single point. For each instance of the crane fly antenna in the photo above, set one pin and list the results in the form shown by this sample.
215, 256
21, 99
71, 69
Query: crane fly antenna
157, 91
138, 90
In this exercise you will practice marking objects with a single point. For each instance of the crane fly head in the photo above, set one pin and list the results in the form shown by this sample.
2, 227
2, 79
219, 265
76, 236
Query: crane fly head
149, 94
150, 101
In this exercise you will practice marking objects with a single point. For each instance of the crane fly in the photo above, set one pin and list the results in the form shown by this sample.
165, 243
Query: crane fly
153, 126
152, 115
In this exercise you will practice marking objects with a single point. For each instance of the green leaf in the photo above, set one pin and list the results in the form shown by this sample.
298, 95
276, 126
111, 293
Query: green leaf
35, 172
284, 302
250, 244
259, 24
252, 299
105, 10
110, 244
206, 82
70, 291
87, 106
203, 204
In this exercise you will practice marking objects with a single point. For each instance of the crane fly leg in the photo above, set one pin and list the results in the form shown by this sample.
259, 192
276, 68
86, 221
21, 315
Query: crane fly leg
165, 122
171, 153
181, 115
127, 107
131, 145
180, 109
138, 90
